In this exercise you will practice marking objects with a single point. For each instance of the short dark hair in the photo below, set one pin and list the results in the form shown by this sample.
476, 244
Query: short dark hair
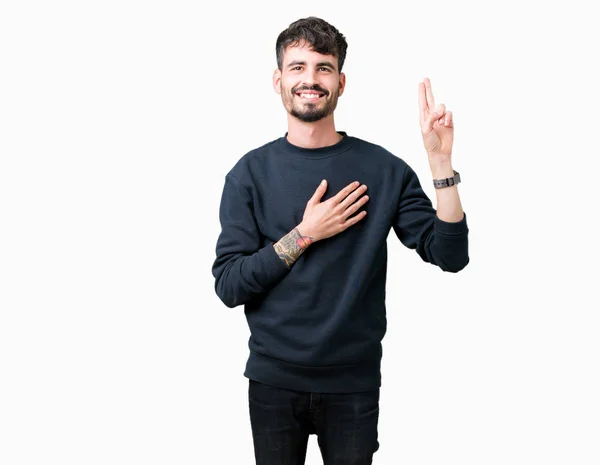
319, 34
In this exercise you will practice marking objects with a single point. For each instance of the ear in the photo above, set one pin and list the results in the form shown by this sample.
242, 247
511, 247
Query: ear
277, 80
342, 83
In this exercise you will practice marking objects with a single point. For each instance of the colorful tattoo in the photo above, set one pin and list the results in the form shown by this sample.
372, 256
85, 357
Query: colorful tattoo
291, 246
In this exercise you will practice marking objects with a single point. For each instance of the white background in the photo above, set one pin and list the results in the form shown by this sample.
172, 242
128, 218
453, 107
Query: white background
119, 120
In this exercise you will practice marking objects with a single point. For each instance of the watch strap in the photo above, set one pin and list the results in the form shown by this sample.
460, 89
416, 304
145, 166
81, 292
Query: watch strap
447, 182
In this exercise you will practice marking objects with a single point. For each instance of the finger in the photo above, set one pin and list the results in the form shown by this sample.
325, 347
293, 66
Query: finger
445, 119
448, 120
355, 219
355, 206
434, 116
437, 115
316, 198
353, 196
429, 94
422, 100
341, 195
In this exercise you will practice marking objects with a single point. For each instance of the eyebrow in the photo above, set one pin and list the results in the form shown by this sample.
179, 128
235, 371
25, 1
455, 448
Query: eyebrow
319, 64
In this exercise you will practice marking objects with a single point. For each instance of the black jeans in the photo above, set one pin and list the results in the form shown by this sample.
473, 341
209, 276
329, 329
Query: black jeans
283, 419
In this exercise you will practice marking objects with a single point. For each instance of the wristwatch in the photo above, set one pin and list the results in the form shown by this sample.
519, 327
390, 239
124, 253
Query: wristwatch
447, 182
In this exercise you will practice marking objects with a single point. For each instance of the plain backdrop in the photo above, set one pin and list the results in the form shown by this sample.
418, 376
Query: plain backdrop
119, 121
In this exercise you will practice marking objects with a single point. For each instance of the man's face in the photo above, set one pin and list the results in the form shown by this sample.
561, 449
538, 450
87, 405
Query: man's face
309, 83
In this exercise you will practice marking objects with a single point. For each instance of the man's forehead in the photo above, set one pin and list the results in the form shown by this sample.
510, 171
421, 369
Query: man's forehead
303, 52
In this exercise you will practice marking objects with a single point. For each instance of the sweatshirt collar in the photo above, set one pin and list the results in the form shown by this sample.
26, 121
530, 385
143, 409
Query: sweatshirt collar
321, 152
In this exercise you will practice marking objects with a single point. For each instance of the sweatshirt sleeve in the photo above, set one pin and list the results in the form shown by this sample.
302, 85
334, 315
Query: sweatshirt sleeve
242, 268
418, 227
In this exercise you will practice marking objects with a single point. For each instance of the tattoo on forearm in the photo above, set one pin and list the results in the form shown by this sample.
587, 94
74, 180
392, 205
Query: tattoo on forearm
291, 246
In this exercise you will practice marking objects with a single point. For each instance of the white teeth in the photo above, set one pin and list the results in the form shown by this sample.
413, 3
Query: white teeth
311, 96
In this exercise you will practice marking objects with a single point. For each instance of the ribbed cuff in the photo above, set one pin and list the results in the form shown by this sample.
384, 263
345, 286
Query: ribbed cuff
451, 229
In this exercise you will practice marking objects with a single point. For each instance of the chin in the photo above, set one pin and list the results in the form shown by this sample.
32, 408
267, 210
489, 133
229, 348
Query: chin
308, 117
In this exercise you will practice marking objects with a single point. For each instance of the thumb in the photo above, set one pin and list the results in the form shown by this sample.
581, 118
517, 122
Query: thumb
433, 116
316, 198
440, 111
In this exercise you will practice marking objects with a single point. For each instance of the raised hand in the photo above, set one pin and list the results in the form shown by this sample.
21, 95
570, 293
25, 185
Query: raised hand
437, 127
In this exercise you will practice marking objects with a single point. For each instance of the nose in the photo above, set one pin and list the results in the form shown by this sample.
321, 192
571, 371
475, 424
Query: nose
310, 77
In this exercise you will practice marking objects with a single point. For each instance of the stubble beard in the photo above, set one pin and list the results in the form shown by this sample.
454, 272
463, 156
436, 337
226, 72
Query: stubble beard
309, 112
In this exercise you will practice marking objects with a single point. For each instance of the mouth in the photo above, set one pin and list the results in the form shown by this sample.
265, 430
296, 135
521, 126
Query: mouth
310, 96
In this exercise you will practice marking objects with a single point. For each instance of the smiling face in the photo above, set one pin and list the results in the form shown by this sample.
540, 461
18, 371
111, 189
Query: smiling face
309, 83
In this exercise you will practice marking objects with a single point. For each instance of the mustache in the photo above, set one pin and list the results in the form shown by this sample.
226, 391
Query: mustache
315, 88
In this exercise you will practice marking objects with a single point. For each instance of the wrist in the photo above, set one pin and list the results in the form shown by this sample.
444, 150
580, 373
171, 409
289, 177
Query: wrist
291, 246
306, 236
441, 169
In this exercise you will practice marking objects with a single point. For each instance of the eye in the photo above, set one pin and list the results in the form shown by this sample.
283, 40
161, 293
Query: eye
296, 67
326, 69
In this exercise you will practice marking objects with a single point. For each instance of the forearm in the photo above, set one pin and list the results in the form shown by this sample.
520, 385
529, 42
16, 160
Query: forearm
439, 238
240, 277
292, 245
448, 206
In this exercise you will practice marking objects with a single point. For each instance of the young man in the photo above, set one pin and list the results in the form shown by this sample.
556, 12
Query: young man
309, 263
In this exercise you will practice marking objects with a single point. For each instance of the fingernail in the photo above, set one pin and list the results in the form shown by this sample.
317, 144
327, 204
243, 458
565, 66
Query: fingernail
323, 182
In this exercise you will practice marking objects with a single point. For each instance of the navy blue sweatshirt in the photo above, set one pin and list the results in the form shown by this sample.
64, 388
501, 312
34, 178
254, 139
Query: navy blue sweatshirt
318, 325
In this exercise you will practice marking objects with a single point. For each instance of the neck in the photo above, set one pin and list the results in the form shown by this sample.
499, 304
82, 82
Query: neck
321, 133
